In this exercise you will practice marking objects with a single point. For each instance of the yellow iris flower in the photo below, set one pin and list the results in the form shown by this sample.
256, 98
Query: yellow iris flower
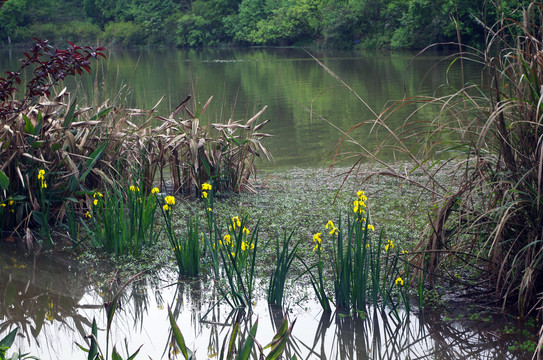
333, 228
361, 195
358, 206
236, 222
206, 186
154, 190
399, 281
390, 245
170, 200
41, 177
227, 239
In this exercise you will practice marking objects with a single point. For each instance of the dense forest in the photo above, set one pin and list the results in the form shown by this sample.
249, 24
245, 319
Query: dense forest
194, 23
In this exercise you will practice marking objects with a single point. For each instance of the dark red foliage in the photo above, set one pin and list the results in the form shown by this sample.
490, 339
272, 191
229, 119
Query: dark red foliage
51, 66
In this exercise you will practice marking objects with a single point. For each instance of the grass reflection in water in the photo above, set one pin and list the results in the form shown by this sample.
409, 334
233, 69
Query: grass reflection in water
31, 285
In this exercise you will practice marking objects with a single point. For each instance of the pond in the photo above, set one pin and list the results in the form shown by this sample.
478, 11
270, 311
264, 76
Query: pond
306, 105
53, 300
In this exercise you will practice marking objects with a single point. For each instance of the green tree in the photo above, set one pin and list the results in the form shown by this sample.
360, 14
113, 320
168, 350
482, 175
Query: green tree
12, 16
92, 11
239, 26
421, 23
340, 25
295, 20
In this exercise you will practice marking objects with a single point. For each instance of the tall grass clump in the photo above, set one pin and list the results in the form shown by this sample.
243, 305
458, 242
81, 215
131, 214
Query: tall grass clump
222, 154
488, 220
122, 219
186, 248
365, 269
285, 253
56, 150
236, 254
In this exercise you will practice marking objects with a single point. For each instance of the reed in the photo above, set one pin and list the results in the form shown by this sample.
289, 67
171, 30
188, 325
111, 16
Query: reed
82, 148
222, 154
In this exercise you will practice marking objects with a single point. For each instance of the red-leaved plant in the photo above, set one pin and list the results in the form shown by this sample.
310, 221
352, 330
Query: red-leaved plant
52, 66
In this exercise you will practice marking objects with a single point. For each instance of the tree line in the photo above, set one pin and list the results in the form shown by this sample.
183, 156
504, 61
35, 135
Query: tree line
195, 23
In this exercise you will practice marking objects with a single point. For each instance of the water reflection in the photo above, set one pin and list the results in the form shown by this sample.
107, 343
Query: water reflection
53, 302
288, 80
41, 303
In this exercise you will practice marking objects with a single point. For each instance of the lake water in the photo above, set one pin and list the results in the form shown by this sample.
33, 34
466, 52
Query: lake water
288, 80
54, 312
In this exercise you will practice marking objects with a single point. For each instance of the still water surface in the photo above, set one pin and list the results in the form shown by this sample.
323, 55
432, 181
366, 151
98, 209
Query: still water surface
288, 80
53, 301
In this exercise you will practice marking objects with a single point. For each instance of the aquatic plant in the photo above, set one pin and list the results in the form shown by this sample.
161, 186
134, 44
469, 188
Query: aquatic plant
35, 138
317, 280
208, 196
235, 346
94, 351
81, 148
360, 265
284, 256
186, 249
121, 220
223, 154
488, 217
237, 251
5, 344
